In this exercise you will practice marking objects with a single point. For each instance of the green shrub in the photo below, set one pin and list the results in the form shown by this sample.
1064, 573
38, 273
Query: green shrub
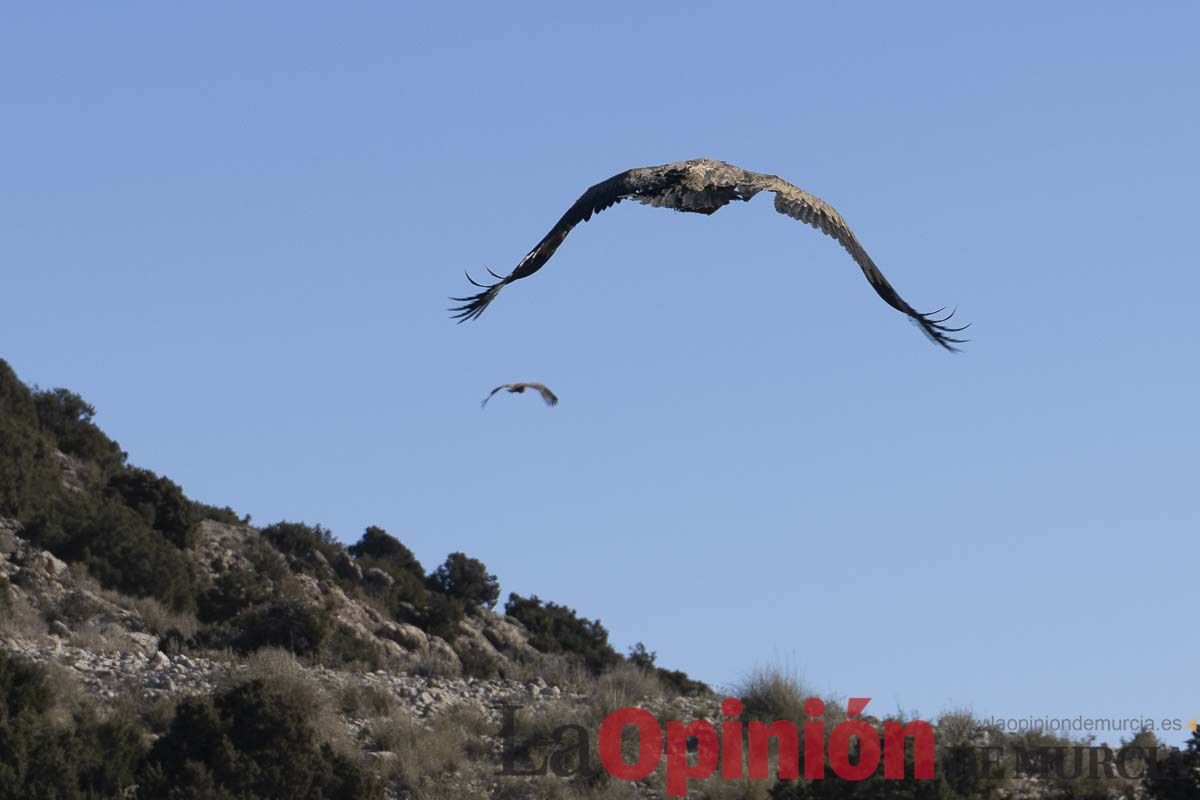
383, 548
118, 547
300, 540
673, 680
313, 550
224, 514
267, 577
292, 625
679, 682
30, 476
639, 656
345, 650
558, 629
379, 550
16, 401
68, 418
404, 588
159, 501
477, 663
467, 580
266, 561
253, 741
233, 592
49, 752
441, 615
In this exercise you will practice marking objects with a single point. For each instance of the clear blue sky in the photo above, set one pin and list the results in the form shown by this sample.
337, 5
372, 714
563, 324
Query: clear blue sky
234, 228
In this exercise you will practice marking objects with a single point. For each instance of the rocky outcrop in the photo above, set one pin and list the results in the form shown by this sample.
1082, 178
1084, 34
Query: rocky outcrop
485, 640
41, 595
56, 604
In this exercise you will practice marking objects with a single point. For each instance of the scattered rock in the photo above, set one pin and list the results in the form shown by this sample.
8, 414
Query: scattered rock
378, 578
346, 567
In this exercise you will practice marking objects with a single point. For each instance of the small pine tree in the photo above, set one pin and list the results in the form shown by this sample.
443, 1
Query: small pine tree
467, 580
640, 657
378, 544
380, 550
68, 418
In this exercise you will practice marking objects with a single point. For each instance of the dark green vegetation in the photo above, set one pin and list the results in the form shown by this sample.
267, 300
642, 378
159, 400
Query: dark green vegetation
466, 580
1184, 763
377, 549
674, 680
29, 470
55, 749
252, 741
558, 629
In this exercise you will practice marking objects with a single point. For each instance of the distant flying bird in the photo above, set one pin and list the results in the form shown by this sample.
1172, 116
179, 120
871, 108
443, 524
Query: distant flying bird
518, 388
702, 186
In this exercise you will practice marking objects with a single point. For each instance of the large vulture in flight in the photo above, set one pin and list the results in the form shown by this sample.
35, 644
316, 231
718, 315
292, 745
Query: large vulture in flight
702, 186
519, 388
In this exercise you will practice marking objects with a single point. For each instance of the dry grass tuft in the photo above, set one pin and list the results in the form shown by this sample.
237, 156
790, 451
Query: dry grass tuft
363, 701
624, 685
556, 670
423, 752
21, 620
429, 665
773, 693
160, 620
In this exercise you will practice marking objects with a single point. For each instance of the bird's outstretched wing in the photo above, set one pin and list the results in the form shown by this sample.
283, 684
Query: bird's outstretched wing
799, 204
605, 194
550, 397
492, 394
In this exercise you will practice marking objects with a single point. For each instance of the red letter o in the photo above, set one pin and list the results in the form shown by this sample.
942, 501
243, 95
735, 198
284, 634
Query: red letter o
650, 745
868, 750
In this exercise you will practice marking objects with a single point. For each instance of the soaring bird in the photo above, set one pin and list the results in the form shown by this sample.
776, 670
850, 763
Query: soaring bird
702, 186
517, 388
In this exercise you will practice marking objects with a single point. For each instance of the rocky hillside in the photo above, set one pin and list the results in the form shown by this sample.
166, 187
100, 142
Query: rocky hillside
418, 725
53, 609
152, 646
122, 652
